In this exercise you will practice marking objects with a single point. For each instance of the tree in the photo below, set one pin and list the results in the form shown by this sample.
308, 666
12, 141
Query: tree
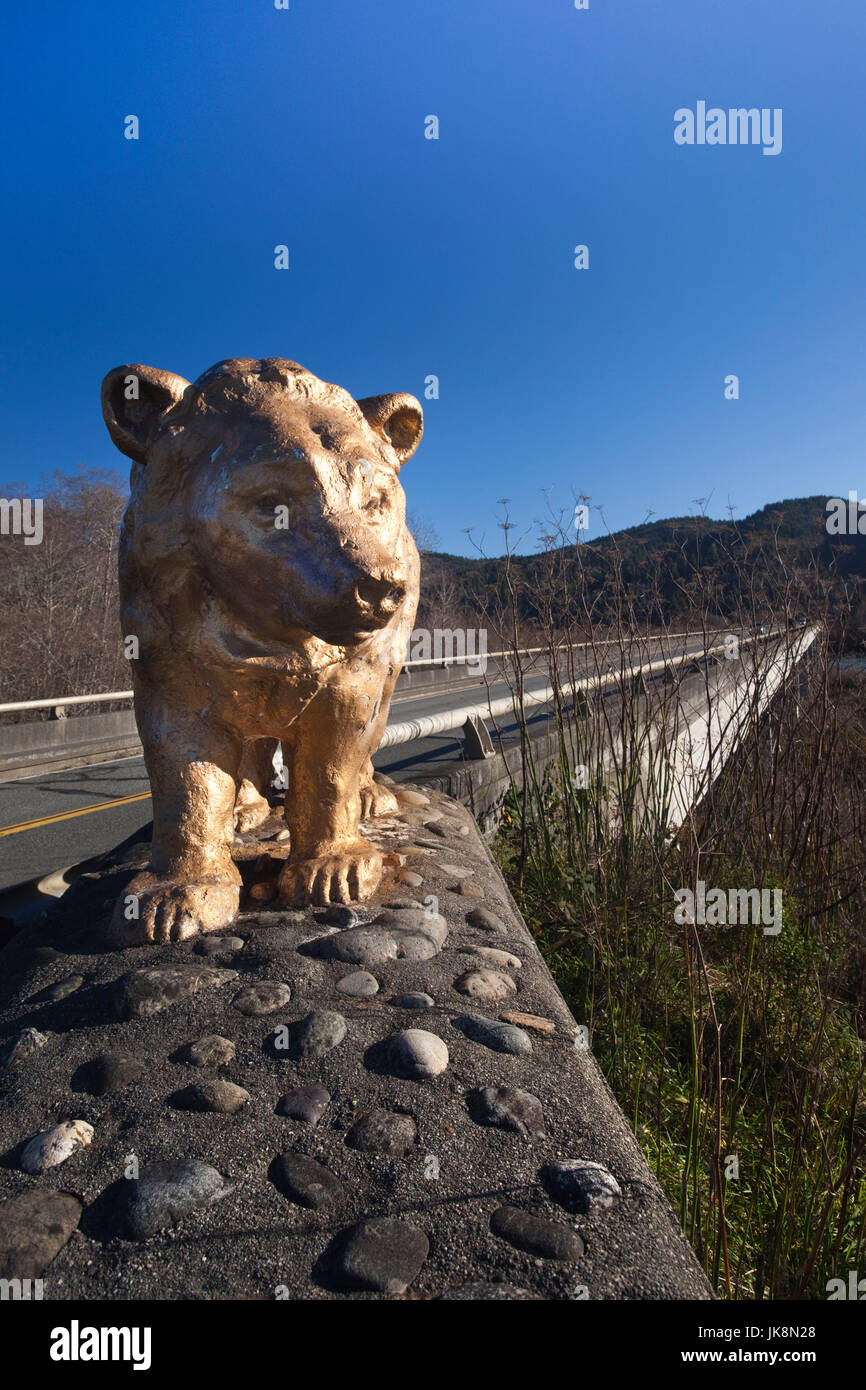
59, 608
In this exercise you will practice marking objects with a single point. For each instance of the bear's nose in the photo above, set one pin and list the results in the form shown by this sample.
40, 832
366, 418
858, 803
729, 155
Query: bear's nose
382, 595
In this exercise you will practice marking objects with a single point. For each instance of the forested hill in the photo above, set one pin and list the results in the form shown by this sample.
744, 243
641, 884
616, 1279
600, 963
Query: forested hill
60, 626
780, 559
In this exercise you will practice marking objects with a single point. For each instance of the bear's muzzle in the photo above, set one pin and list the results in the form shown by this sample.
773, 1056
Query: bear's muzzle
379, 599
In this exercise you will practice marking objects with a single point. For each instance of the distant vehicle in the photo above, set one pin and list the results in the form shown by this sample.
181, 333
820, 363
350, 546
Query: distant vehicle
759, 628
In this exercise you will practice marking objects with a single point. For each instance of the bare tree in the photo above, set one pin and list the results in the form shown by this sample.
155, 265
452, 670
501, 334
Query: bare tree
59, 615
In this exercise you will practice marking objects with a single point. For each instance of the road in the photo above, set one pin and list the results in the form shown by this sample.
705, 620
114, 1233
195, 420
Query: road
52, 820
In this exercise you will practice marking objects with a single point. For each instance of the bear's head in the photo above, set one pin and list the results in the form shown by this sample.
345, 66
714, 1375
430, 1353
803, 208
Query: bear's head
278, 491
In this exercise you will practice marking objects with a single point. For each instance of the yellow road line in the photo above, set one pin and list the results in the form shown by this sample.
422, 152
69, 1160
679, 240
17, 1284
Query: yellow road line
69, 815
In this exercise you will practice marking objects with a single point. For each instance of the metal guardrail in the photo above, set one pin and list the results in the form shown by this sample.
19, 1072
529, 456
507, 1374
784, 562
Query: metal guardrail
61, 701
468, 717
445, 661
64, 700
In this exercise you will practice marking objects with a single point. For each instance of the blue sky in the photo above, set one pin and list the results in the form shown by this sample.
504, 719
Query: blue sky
412, 257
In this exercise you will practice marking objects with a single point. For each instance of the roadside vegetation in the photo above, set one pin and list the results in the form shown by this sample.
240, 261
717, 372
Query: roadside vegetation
738, 1056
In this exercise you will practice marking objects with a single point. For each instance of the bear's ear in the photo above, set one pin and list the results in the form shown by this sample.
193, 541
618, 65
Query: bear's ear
399, 420
134, 399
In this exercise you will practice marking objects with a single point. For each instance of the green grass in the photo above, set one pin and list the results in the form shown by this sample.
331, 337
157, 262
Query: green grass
728, 1050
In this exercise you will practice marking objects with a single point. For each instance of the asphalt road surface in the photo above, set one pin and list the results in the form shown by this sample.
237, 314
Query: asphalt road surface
52, 820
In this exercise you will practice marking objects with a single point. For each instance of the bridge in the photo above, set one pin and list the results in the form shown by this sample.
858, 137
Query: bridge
74, 785
469, 1147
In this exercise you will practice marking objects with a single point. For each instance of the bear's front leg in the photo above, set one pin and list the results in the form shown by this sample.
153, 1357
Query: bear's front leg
191, 884
326, 750
376, 798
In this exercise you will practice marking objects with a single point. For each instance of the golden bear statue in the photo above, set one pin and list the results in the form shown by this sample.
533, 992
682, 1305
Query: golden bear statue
270, 582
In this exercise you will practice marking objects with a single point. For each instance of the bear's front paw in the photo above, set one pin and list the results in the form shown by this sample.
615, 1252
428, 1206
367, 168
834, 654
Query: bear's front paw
347, 874
153, 910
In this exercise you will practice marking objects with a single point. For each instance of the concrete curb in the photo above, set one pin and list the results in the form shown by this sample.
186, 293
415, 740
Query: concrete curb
436, 1199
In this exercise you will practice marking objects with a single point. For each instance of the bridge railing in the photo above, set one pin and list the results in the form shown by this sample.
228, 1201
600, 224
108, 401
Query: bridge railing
60, 742
61, 702
470, 717
471, 659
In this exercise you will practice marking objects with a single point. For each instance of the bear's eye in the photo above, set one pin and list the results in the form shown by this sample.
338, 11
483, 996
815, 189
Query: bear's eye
376, 484
377, 501
219, 392
329, 438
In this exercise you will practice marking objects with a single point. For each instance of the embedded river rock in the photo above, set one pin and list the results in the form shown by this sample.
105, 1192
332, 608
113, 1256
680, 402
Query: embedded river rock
389, 1099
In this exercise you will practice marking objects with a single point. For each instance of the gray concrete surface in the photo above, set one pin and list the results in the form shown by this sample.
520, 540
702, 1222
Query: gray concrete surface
476, 1212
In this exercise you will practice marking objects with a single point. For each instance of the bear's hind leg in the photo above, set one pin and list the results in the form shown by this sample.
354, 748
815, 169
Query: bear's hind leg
376, 799
255, 773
